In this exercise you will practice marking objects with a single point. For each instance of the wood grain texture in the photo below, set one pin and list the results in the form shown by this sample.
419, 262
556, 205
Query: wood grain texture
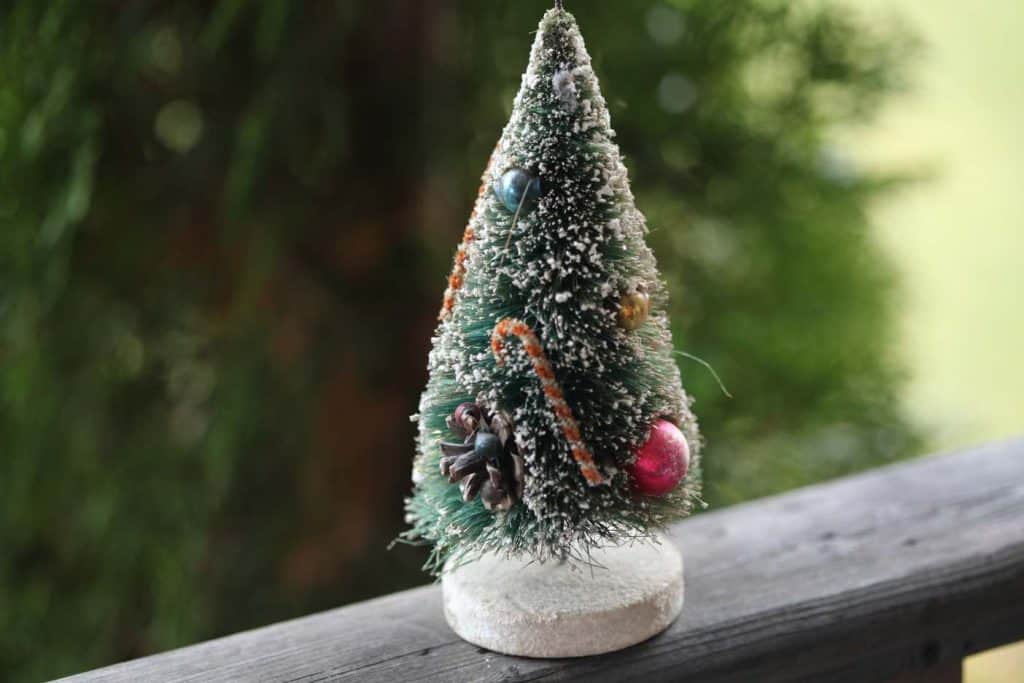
900, 572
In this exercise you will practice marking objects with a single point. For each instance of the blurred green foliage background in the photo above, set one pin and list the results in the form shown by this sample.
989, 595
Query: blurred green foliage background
224, 232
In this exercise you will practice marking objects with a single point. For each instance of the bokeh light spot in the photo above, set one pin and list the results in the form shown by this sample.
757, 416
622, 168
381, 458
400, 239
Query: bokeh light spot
676, 93
665, 24
165, 50
179, 125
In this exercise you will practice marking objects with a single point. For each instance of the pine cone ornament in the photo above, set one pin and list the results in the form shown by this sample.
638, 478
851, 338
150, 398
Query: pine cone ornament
487, 461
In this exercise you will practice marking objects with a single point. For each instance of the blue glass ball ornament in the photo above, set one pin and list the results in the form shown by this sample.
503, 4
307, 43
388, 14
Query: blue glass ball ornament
514, 185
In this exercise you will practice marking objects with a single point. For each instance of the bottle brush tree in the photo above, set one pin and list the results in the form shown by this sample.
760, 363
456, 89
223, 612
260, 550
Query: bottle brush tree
554, 420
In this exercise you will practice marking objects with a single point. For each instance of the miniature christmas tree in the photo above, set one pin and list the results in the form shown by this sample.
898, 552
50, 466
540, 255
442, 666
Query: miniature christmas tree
554, 421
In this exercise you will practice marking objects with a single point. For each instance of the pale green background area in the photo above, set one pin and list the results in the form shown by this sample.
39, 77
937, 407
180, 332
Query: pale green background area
958, 239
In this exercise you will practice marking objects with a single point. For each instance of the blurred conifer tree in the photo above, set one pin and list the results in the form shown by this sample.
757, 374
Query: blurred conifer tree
224, 229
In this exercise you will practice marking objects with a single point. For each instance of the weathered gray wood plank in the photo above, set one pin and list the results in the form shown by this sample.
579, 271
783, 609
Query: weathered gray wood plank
898, 572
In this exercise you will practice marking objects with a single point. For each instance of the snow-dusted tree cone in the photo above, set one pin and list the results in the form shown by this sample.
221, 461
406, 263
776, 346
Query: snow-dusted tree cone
554, 419
554, 609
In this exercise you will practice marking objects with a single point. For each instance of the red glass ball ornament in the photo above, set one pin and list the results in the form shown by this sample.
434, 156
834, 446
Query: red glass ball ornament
661, 463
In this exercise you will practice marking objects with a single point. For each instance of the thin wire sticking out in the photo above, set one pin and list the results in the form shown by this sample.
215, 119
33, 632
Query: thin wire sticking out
710, 369
515, 222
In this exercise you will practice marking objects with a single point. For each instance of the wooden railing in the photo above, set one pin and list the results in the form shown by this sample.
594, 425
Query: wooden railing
892, 575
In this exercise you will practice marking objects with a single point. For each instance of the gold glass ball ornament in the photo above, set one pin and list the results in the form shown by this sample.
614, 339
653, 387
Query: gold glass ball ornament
634, 307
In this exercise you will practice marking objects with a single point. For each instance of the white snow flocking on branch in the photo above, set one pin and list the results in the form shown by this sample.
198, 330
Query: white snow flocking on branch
564, 84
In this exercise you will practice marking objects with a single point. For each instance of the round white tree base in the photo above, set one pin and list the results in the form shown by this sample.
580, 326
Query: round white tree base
559, 610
